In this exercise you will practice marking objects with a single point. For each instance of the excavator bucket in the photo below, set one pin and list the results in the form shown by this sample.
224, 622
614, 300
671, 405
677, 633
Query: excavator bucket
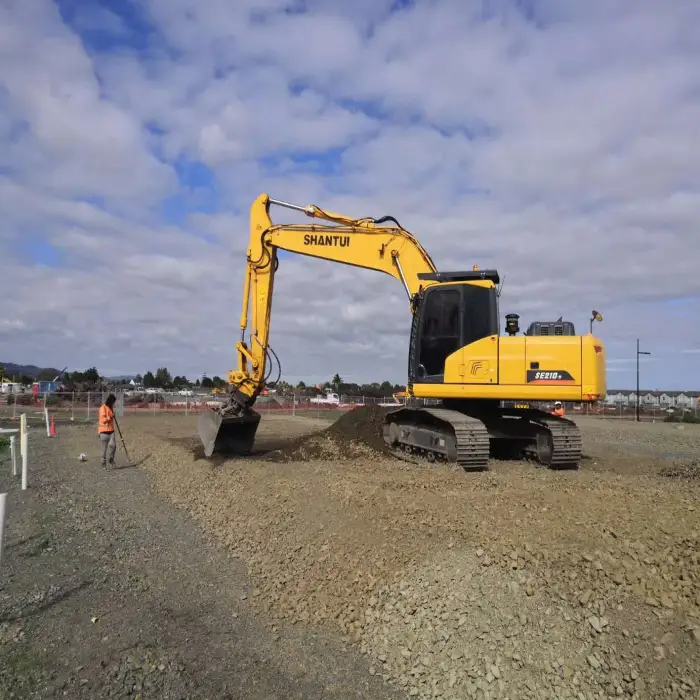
230, 435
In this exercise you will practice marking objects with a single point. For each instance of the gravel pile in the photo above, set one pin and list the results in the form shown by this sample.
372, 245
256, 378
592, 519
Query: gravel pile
682, 470
356, 434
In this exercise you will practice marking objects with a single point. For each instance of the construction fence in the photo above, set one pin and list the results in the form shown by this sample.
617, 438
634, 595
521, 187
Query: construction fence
83, 406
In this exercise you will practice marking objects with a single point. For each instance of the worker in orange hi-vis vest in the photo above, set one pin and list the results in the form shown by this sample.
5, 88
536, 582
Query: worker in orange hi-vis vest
105, 428
558, 409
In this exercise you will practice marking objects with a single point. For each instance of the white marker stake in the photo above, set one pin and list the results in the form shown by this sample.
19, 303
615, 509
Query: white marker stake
23, 433
46, 416
3, 501
23, 448
13, 455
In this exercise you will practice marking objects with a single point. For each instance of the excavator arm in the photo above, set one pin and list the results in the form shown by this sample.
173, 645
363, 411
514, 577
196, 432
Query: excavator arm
365, 243
361, 243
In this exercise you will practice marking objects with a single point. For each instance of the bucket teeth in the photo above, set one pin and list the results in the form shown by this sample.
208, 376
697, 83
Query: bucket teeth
227, 435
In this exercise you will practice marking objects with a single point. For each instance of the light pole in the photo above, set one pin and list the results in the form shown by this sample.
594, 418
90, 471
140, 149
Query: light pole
639, 352
595, 316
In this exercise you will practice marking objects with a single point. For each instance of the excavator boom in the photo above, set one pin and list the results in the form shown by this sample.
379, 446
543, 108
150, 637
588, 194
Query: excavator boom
365, 243
456, 352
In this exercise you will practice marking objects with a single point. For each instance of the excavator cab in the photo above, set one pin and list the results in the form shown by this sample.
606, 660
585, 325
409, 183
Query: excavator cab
459, 310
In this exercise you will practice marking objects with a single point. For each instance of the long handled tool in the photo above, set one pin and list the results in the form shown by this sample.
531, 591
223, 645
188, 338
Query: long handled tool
119, 430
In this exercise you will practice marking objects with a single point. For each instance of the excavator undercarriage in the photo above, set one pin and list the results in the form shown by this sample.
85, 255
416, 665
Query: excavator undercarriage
470, 437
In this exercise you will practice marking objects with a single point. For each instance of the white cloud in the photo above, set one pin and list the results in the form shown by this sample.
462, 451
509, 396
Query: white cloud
560, 147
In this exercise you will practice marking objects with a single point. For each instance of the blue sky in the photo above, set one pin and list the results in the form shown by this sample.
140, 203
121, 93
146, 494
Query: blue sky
556, 141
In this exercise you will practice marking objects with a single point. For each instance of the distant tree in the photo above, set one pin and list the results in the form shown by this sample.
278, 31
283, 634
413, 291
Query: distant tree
207, 383
163, 380
197, 383
138, 379
301, 385
149, 380
88, 380
91, 375
218, 382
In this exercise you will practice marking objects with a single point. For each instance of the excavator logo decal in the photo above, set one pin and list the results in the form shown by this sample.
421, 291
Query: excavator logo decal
327, 239
549, 377
476, 367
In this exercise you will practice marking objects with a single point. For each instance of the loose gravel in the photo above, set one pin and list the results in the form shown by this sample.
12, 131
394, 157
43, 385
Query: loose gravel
516, 583
108, 591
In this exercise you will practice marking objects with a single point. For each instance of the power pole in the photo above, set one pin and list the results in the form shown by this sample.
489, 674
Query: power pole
639, 352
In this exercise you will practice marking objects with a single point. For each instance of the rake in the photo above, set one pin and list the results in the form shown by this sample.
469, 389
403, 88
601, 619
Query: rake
119, 430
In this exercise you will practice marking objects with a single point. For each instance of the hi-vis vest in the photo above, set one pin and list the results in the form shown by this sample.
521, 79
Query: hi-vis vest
105, 419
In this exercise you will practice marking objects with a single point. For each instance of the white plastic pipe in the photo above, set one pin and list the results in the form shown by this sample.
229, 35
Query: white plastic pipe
23, 448
3, 502
46, 416
13, 454
24, 468
23, 433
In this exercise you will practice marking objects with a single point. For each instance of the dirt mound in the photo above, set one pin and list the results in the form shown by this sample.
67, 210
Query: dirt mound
357, 433
682, 470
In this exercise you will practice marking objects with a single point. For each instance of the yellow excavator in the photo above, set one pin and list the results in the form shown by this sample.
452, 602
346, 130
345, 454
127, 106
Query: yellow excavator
456, 352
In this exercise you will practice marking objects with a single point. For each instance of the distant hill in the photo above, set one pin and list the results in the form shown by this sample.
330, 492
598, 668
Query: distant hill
28, 370
11, 368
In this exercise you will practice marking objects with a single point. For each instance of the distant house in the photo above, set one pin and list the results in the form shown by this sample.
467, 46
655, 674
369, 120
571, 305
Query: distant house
617, 396
667, 399
654, 399
649, 399
688, 399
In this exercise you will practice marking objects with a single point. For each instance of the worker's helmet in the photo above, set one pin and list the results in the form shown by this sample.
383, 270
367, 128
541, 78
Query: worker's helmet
557, 403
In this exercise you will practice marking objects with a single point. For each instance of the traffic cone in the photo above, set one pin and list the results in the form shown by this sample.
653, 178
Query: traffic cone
53, 427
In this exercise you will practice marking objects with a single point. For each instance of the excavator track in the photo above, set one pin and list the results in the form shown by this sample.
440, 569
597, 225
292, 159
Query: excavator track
559, 441
426, 436
421, 435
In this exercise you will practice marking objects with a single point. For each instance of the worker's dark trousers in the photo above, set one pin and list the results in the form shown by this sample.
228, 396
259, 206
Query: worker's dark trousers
108, 441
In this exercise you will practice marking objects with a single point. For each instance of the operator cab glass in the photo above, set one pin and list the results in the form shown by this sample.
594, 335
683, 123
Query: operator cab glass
447, 318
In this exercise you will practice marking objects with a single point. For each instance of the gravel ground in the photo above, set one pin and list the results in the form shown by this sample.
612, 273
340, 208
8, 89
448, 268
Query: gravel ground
109, 591
366, 575
515, 583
